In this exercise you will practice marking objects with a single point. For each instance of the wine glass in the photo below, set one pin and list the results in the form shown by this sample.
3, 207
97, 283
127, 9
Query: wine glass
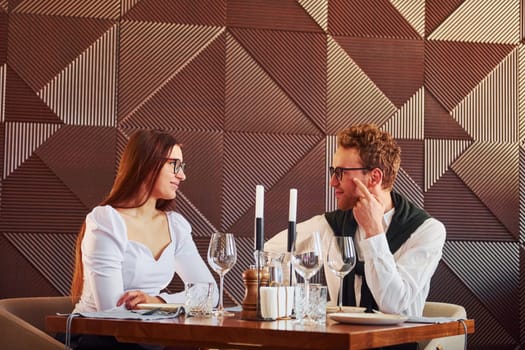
341, 260
222, 255
307, 260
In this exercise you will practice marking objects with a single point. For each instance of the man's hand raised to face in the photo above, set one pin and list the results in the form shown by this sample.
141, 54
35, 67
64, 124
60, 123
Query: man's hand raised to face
368, 210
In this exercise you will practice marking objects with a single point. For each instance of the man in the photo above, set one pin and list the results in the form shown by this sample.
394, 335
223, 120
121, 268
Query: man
398, 244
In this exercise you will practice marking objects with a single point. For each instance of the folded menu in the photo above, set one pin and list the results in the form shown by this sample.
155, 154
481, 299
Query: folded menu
426, 319
168, 307
144, 312
124, 314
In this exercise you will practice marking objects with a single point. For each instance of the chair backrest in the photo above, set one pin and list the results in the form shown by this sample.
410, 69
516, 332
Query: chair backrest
435, 309
22, 322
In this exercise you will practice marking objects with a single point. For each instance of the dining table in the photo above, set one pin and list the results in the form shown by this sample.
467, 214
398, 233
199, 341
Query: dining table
237, 333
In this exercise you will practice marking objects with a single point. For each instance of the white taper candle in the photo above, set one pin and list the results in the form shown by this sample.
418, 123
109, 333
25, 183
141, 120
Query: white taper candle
259, 201
292, 213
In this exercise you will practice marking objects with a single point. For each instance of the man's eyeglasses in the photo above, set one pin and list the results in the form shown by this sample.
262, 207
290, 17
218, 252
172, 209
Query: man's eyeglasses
178, 165
338, 172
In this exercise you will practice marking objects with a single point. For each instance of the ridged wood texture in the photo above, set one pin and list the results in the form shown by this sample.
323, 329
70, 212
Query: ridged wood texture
256, 91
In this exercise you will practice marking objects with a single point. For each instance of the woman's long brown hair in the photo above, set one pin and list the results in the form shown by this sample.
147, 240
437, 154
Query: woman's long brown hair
140, 164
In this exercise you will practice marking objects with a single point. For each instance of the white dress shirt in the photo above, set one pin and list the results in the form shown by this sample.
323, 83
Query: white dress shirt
114, 264
399, 282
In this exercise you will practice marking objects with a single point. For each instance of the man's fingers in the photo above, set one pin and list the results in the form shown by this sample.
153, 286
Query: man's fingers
362, 188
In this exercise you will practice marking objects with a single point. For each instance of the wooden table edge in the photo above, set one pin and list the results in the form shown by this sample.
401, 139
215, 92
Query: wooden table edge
274, 338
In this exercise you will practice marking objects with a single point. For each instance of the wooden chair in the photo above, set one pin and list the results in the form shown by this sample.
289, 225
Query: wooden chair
22, 322
435, 309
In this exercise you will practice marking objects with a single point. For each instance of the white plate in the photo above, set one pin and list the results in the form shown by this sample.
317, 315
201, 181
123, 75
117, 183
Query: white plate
169, 307
346, 309
367, 318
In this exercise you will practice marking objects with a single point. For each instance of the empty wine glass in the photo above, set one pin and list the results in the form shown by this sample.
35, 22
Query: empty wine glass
341, 260
307, 260
222, 255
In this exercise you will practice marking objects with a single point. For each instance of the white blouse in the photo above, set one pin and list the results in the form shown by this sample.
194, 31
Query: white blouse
114, 264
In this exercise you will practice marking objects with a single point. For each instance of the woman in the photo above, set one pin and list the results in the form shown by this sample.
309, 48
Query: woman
130, 245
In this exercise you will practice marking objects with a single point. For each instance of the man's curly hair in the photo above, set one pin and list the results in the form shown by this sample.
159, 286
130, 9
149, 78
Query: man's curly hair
377, 149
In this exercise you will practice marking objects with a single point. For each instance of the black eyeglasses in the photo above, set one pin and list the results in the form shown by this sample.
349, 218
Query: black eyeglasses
178, 165
338, 172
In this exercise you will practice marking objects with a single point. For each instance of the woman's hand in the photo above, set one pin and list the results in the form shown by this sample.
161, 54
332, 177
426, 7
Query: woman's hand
132, 298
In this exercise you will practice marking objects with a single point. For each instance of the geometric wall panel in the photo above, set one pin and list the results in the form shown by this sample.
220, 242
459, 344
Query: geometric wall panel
283, 15
482, 21
330, 200
318, 9
499, 191
160, 45
22, 139
439, 155
2, 91
479, 264
413, 12
447, 286
453, 69
310, 193
75, 154
521, 92
255, 102
126, 5
204, 173
345, 102
24, 274
37, 248
245, 248
522, 292
86, 8
522, 194
490, 111
22, 104
200, 12
406, 186
200, 225
282, 55
465, 216
3, 35
261, 152
376, 57
436, 11
34, 199
179, 104
40, 46
439, 124
408, 121
84, 92
308, 188
368, 19
412, 159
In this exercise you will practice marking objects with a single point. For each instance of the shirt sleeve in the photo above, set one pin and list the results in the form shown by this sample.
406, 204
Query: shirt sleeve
103, 248
189, 265
400, 282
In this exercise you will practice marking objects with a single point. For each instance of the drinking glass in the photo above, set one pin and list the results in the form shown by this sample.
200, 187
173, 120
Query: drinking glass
341, 260
307, 259
222, 255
